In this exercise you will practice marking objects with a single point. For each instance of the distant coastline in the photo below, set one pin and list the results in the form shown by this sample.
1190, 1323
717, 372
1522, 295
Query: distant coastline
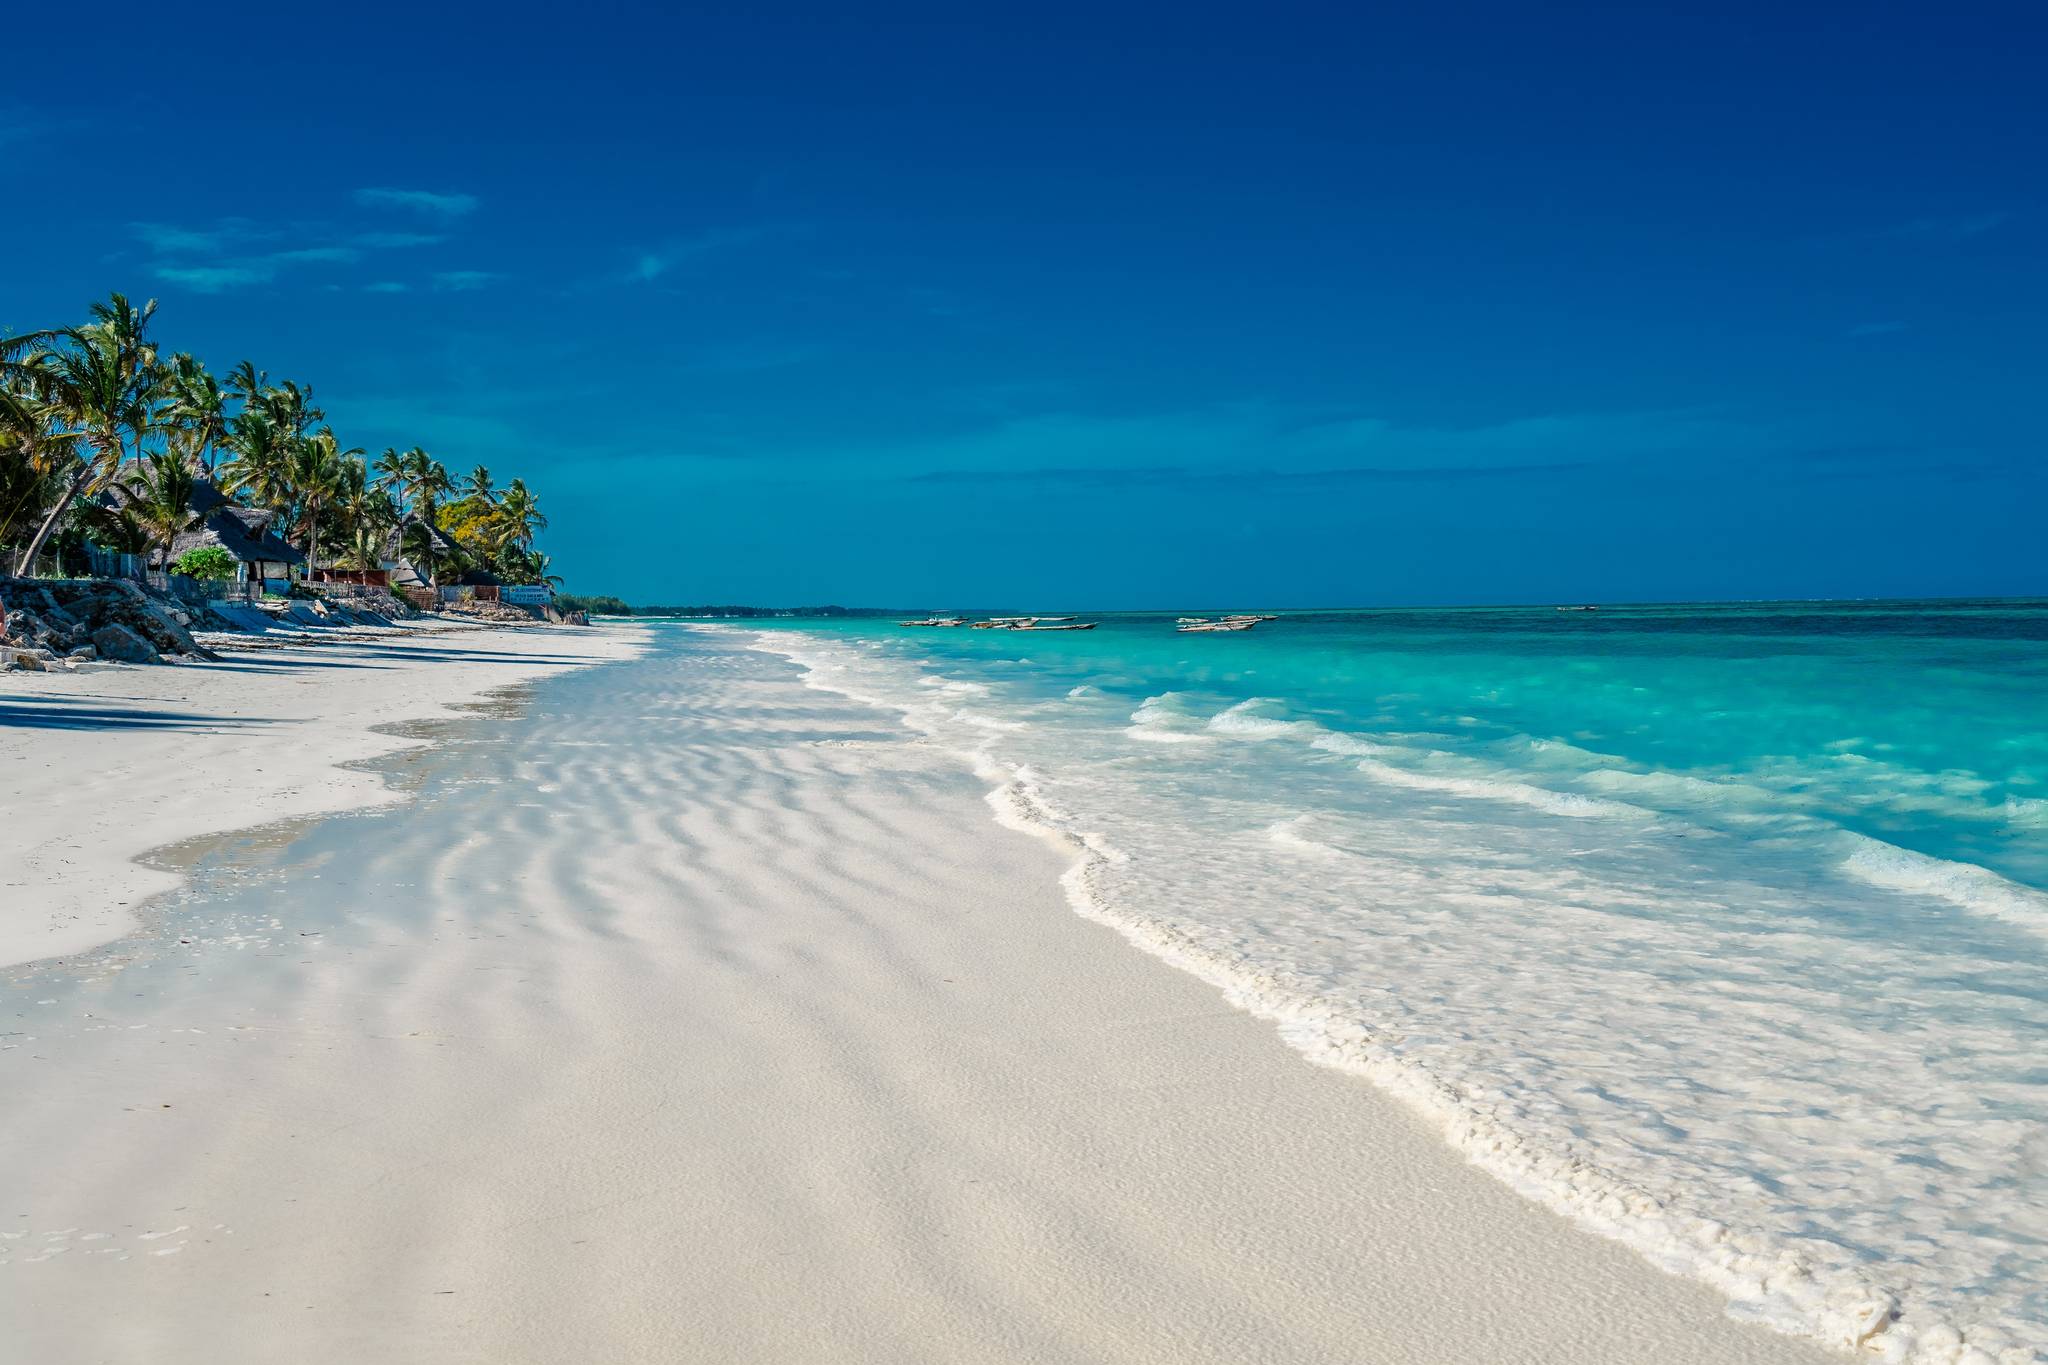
606, 604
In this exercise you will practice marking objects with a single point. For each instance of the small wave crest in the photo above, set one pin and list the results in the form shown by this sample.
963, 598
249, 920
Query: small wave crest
1254, 718
1976, 889
1165, 719
956, 687
1351, 746
1550, 802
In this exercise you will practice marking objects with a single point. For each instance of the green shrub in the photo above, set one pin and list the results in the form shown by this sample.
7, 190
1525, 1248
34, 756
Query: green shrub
205, 561
596, 605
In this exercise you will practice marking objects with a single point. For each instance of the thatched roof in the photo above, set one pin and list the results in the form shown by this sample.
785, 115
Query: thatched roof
206, 496
404, 572
243, 532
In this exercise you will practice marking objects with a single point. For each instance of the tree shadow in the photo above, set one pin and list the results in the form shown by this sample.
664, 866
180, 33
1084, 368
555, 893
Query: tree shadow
55, 715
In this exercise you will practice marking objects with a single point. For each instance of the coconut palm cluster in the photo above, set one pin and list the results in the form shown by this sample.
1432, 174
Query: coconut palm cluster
104, 440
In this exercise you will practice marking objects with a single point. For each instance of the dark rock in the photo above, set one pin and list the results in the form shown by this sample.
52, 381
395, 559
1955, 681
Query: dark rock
120, 643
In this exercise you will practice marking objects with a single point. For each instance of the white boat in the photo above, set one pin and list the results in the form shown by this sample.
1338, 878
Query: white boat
1235, 621
936, 621
1033, 623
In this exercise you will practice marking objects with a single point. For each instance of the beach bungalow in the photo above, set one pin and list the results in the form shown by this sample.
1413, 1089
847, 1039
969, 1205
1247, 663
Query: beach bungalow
401, 572
243, 532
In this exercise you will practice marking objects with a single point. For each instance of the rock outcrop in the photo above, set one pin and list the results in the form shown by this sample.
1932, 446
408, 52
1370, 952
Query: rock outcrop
122, 645
67, 618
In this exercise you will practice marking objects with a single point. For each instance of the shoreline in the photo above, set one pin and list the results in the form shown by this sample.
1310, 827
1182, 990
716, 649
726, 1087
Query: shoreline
692, 1014
270, 751
1758, 1279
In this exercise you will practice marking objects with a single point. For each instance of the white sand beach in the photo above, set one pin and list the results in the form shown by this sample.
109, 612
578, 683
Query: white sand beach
98, 768
685, 1014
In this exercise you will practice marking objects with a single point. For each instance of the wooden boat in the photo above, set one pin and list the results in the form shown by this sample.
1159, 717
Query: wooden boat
1033, 623
1234, 621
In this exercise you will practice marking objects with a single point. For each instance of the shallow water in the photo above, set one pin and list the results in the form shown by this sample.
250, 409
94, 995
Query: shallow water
1720, 928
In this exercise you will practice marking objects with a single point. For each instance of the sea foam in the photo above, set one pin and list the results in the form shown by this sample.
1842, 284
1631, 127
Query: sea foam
1685, 1019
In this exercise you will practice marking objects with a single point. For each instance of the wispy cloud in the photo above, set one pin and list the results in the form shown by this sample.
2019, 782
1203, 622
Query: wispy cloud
236, 253
238, 272
434, 203
177, 239
387, 287
1876, 329
656, 261
212, 279
461, 281
316, 255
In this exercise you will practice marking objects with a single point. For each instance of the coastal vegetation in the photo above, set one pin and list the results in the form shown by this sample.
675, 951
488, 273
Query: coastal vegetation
111, 443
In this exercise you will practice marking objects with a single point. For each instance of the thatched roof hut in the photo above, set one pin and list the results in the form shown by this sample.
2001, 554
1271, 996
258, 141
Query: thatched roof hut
404, 573
243, 532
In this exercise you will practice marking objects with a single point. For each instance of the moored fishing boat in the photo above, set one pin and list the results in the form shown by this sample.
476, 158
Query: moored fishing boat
1202, 624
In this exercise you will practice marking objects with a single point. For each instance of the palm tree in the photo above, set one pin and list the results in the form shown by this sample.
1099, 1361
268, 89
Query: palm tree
259, 468
83, 408
413, 476
419, 544
292, 407
318, 471
248, 381
431, 482
428, 482
521, 516
101, 381
126, 328
365, 550
160, 496
35, 452
362, 505
196, 409
117, 529
390, 469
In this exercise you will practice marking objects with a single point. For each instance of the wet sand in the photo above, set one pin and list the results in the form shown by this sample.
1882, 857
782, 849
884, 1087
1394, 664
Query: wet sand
689, 1014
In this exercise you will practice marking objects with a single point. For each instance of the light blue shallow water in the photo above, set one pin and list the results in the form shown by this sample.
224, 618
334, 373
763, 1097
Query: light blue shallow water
1719, 928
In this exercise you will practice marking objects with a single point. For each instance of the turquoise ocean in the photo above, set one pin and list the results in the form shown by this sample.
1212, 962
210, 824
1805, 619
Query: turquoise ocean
1720, 929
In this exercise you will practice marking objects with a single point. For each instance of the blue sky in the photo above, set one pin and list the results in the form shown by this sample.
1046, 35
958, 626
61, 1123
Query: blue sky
1109, 305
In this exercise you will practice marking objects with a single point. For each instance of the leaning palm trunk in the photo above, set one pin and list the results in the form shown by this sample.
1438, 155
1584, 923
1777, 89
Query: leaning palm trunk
43, 532
312, 539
